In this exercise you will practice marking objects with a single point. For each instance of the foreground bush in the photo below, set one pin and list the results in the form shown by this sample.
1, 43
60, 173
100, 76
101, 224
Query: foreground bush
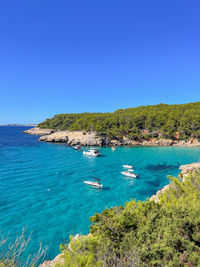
166, 233
12, 252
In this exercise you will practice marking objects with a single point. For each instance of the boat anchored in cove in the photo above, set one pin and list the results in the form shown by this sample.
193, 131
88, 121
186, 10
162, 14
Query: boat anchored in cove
127, 166
129, 174
93, 183
77, 147
92, 152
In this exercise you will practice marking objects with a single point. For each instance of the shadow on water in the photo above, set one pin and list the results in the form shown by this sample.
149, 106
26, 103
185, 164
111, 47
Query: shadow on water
106, 188
153, 183
161, 167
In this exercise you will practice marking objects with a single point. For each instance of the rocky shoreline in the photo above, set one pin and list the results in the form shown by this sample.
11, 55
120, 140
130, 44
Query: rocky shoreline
84, 138
185, 170
38, 131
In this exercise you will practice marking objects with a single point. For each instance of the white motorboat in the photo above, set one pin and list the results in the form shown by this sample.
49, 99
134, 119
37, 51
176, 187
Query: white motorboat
77, 147
127, 166
94, 184
129, 174
92, 152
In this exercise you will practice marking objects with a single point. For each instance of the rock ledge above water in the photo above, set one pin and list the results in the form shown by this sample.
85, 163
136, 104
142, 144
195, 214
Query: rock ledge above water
38, 131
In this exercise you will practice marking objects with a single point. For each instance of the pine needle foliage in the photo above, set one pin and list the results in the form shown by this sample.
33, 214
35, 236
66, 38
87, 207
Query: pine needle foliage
144, 122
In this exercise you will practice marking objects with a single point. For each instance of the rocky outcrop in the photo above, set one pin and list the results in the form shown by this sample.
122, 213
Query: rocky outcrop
151, 142
60, 257
158, 193
185, 170
126, 141
38, 131
116, 142
61, 136
157, 142
73, 138
189, 142
85, 138
167, 142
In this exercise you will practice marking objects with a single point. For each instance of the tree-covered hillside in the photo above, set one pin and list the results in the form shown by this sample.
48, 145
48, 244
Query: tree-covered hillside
166, 121
166, 233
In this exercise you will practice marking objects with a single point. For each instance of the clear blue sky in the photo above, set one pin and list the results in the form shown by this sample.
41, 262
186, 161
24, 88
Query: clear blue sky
75, 56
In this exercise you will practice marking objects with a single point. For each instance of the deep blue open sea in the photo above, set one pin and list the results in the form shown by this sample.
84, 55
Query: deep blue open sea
41, 184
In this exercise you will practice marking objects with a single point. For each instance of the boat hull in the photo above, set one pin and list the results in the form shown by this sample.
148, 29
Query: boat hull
90, 154
127, 166
131, 175
93, 184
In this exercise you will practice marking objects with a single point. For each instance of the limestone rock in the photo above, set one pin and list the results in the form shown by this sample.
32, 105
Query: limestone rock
61, 136
159, 192
126, 141
185, 170
86, 138
58, 259
73, 138
38, 131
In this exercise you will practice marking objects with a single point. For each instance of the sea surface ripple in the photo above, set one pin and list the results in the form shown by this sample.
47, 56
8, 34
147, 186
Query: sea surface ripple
41, 184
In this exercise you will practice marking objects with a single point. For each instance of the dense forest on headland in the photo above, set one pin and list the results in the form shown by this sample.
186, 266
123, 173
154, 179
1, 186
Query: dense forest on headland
148, 233
158, 121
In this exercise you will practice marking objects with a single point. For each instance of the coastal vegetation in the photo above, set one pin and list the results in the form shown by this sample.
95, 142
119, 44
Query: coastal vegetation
13, 252
144, 233
154, 121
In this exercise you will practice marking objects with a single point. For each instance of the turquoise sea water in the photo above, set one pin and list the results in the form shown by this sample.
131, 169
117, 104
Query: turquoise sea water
41, 184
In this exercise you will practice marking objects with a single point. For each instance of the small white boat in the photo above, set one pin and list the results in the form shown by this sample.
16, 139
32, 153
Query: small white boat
127, 166
92, 152
93, 184
129, 174
77, 147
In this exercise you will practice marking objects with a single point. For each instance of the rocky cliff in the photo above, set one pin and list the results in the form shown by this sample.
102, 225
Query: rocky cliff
59, 258
73, 138
39, 131
84, 138
185, 170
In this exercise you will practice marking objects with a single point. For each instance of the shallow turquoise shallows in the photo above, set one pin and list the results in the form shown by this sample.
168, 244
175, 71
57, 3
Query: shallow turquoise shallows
41, 184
